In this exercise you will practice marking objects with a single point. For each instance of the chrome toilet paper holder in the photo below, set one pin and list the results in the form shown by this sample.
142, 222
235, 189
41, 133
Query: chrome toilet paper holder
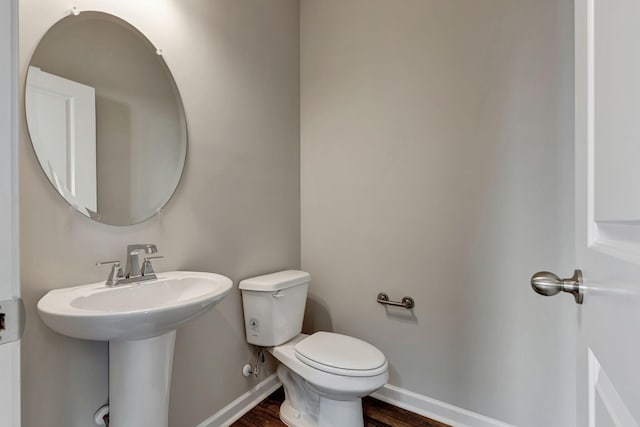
407, 302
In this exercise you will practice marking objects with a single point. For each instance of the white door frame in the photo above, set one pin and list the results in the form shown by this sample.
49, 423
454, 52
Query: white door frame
9, 227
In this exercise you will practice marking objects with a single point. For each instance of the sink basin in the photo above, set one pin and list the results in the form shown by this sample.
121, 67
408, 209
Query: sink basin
139, 320
132, 311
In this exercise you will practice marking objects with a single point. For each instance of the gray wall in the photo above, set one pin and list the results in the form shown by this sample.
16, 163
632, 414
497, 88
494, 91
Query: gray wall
437, 162
236, 211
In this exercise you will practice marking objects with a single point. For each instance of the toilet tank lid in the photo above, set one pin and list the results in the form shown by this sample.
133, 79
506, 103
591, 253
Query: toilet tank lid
275, 281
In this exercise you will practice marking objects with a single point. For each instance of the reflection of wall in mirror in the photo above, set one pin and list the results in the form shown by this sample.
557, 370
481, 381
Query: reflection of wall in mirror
139, 130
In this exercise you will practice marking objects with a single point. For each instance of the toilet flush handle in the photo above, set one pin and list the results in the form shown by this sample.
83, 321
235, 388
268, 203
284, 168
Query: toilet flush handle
278, 294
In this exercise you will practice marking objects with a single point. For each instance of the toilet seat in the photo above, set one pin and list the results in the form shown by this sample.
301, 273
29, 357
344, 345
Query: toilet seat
341, 355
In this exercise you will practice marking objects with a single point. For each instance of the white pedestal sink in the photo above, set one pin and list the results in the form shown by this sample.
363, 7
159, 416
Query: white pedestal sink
139, 321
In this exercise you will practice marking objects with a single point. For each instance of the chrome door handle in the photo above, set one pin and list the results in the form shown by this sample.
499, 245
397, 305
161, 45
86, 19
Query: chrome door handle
548, 284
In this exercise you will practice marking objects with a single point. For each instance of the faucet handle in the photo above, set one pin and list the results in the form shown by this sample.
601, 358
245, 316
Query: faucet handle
107, 262
115, 274
147, 267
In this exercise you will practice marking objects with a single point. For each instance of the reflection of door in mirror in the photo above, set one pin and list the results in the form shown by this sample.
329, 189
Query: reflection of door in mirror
64, 112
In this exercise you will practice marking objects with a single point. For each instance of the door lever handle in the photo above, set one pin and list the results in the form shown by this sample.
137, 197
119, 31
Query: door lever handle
548, 284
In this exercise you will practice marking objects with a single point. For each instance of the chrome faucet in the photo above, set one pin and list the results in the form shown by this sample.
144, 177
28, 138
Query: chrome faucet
133, 272
133, 262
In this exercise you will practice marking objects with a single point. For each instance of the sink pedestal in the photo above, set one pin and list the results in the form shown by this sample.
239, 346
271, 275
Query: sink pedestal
139, 381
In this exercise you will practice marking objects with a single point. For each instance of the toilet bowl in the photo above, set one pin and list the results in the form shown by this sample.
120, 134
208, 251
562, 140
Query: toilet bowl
325, 375
321, 391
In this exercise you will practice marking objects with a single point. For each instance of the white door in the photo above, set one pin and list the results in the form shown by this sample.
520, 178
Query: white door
62, 124
9, 281
607, 244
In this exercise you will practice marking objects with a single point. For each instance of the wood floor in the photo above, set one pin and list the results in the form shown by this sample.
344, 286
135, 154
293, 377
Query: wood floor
376, 414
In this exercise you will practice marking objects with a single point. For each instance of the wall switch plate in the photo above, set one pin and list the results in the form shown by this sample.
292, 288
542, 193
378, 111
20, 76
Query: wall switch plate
11, 320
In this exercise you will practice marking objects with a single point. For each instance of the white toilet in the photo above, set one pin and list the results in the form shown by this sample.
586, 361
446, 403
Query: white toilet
325, 375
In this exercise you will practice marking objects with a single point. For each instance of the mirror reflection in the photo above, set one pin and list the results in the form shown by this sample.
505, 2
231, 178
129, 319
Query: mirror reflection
105, 118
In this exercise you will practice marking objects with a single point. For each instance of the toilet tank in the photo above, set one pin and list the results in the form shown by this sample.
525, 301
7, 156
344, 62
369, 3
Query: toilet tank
274, 306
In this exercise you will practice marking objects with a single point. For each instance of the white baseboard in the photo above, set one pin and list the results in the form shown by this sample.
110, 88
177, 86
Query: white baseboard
405, 399
434, 409
243, 404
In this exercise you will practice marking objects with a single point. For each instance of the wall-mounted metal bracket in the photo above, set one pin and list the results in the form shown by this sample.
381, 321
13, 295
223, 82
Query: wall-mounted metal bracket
407, 302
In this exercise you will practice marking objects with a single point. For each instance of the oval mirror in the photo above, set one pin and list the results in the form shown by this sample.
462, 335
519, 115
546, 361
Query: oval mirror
105, 118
